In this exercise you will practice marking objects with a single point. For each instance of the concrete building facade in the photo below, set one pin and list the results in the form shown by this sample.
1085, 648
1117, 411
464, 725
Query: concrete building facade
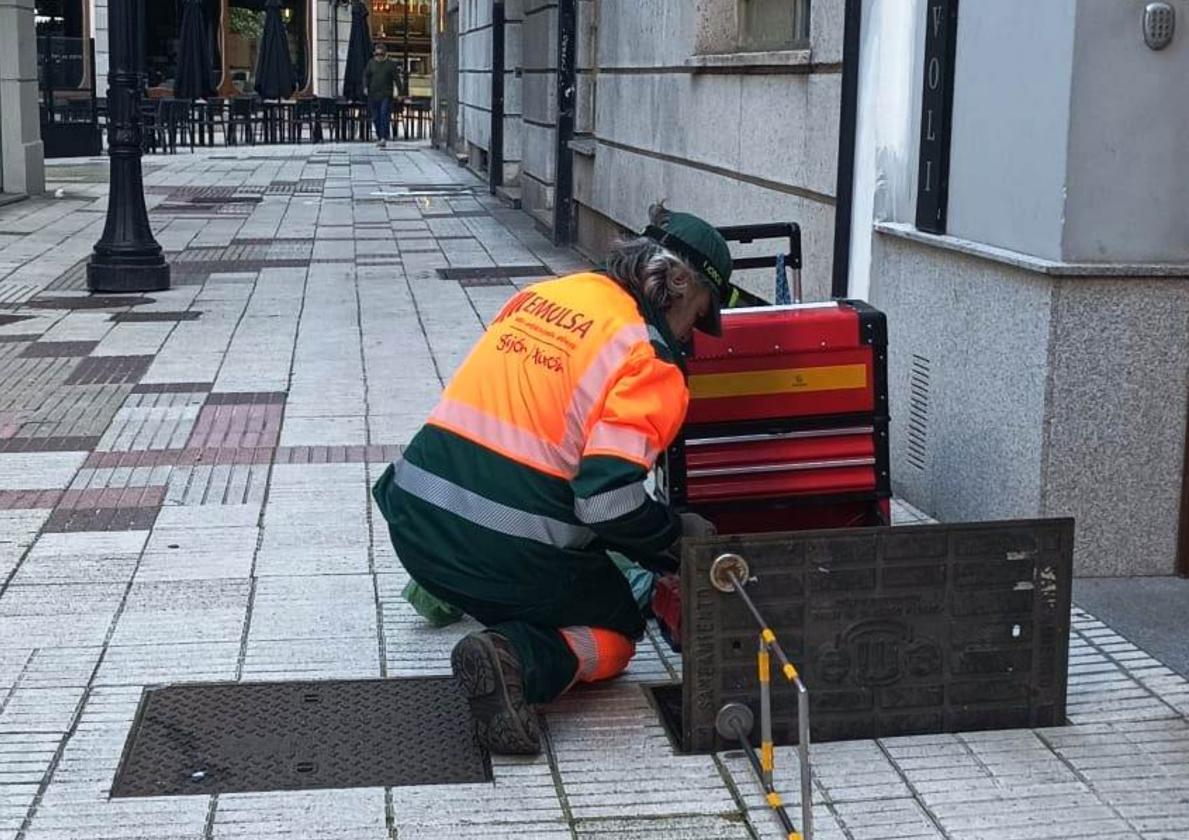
1039, 345
22, 163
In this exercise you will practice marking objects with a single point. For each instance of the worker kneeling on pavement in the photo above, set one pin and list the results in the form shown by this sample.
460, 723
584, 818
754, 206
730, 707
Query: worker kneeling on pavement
533, 466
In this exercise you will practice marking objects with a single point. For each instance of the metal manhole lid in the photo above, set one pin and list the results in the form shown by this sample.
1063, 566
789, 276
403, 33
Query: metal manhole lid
206, 738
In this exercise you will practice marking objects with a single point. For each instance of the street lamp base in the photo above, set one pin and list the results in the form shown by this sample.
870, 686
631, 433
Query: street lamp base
115, 277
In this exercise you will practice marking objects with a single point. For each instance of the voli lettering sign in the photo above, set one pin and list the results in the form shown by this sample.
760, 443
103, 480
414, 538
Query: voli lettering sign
937, 106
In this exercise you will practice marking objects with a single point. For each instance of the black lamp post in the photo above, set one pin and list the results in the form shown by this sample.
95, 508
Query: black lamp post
126, 258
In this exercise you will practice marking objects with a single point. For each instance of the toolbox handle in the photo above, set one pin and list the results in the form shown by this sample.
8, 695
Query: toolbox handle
794, 466
798, 435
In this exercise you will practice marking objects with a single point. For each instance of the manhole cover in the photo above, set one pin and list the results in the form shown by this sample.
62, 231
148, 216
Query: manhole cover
897, 631
502, 272
233, 737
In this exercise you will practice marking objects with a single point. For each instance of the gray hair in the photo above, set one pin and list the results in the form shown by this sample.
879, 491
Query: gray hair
649, 271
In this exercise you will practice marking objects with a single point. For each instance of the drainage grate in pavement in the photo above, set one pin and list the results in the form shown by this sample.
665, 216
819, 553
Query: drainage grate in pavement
109, 370
172, 387
247, 398
54, 443
88, 302
897, 631
492, 272
201, 739
155, 317
58, 349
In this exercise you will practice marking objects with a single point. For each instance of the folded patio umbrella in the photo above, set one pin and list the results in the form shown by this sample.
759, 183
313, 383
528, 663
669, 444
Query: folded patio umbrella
359, 50
194, 60
274, 68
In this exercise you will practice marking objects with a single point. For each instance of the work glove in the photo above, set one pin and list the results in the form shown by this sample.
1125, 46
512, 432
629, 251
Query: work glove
693, 525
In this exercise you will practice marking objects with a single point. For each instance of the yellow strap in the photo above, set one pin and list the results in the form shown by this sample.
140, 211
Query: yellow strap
765, 666
767, 756
774, 799
790, 672
782, 381
794, 835
768, 636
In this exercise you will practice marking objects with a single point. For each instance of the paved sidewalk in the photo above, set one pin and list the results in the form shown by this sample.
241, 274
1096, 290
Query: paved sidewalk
184, 496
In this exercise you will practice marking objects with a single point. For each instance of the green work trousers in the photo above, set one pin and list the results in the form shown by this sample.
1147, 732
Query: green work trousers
587, 592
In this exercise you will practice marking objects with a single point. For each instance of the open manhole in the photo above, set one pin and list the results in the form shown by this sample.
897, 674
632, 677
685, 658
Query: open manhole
909, 630
206, 738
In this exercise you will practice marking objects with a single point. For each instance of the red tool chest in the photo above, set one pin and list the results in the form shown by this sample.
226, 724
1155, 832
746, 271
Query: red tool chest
787, 427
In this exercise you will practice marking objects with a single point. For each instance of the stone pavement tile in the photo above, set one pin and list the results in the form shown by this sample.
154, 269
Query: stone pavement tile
310, 659
328, 558
521, 802
614, 759
80, 326
171, 566
323, 431
356, 814
69, 615
25, 757
15, 801
903, 819
39, 470
412, 647
77, 812
489, 300
144, 339
668, 828
42, 711
137, 665
187, 517
82, 557
158, 613
401, 427
152, 427
211, 538
18, 530
208, 486
849, 771
314, 607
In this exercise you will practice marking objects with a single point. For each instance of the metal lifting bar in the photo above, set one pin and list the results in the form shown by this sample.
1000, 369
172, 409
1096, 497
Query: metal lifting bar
730, 573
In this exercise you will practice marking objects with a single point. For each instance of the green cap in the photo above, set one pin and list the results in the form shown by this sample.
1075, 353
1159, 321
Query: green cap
703, 247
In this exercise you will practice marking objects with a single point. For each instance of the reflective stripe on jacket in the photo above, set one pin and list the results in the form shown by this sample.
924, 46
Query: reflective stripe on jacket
547, 431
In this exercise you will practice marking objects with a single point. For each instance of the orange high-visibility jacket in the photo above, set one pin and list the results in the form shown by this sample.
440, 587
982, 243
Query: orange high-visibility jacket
543, 439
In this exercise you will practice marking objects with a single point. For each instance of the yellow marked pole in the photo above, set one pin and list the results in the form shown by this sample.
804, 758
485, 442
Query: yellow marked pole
767, 753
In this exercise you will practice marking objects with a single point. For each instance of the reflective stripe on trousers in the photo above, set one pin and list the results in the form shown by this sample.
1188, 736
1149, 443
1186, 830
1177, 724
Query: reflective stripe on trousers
486, 513
602, 654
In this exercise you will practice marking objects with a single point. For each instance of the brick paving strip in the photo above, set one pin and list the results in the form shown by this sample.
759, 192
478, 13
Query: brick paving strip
193, 505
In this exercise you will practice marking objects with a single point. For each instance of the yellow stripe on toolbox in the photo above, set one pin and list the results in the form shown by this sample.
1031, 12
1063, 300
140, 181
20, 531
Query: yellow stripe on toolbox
784, 381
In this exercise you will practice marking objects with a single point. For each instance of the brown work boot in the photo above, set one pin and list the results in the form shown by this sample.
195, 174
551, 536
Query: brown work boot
489, 672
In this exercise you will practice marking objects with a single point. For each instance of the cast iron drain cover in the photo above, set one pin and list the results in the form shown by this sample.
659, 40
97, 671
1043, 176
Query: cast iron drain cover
896, 631
500, 271
205, 738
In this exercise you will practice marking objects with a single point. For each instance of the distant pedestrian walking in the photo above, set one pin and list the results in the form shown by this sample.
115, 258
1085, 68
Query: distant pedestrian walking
381, 78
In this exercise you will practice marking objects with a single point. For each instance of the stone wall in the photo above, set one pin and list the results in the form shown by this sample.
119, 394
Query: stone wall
737, 137
1025, 389
474, 82
20, 130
